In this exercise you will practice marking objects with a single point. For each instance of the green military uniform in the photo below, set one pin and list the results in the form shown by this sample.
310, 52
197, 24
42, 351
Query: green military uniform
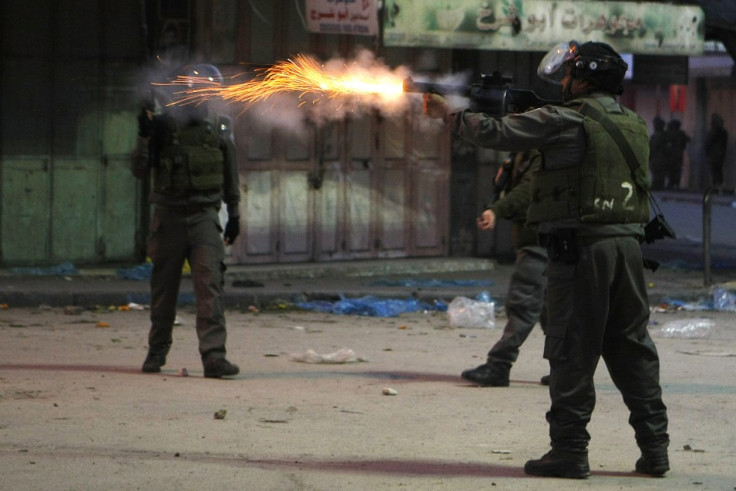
596, 297
194, 170
527, 285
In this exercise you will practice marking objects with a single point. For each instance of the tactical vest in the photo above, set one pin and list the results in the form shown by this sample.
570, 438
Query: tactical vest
601, 189
190, 161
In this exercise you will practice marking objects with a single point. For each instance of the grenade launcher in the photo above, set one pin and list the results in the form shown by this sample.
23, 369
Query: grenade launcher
492, 95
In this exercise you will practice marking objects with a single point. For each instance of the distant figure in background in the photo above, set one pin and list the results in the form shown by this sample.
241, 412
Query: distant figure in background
658, 154
676, 140
715, 149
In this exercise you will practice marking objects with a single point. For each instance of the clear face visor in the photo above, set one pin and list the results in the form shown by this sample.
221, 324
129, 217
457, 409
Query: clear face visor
551, 68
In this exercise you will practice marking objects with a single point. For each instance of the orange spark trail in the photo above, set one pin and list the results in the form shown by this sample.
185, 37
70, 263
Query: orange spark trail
303, 75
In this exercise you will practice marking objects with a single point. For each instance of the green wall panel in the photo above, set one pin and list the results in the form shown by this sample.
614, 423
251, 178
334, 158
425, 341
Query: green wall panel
74, 210
24, 219
120, 208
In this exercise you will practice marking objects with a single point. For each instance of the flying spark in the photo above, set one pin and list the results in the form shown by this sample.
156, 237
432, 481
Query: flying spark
303, 75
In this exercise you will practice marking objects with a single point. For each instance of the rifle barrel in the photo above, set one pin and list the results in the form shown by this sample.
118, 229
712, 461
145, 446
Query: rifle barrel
443, 89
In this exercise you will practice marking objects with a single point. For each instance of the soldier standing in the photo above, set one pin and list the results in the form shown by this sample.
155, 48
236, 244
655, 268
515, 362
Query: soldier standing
193, 167
590, 200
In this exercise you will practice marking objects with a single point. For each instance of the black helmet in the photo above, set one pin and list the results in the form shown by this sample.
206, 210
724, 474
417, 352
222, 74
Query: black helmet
600, 64
593, 61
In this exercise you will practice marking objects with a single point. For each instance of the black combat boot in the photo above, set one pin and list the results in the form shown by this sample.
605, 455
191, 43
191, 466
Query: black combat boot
489, 375
558, 463
153, 362
219, 367
654, 464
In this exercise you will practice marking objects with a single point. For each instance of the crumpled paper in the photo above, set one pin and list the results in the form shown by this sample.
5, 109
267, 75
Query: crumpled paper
343, 355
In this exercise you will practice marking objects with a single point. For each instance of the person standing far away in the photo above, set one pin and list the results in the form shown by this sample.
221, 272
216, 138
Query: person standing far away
191, 160
677, 141
525, 297
590, 200
658, 154
716, 142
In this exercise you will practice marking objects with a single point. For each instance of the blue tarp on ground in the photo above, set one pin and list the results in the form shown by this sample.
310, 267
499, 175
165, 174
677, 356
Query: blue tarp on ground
371, 306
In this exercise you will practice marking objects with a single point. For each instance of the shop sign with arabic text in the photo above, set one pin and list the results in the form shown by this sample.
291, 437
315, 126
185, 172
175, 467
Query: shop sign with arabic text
537, 25
357, 17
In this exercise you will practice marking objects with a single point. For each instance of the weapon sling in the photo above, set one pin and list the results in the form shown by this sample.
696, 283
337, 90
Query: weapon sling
658, 222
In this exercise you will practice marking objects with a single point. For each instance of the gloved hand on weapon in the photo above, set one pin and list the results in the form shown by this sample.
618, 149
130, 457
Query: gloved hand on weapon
232, 229
435, 106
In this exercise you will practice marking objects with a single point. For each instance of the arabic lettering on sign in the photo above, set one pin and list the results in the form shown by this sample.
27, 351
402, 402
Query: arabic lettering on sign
636, 27
342, 16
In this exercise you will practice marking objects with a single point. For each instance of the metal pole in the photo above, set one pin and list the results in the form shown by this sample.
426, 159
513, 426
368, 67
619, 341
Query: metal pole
707, 207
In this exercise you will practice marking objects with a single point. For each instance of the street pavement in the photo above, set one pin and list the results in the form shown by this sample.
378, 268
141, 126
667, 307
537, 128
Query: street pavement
77, 413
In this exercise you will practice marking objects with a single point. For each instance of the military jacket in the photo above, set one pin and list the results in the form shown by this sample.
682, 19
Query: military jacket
559, 133
190, 165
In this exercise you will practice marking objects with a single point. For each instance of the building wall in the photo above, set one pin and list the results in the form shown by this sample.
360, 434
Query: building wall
74, 73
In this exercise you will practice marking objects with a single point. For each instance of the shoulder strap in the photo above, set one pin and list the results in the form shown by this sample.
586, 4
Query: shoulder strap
636, 169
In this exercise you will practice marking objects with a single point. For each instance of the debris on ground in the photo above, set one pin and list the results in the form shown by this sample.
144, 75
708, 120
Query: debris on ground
696, 328
343, 355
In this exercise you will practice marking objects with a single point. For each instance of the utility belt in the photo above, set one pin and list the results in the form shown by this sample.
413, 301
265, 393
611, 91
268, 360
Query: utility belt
564, 244
189, 208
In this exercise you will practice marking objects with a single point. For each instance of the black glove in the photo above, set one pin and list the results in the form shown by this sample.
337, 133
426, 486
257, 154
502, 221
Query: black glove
145, 123
232, 230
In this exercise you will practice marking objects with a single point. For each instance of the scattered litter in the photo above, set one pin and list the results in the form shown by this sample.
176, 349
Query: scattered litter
253, 309
673, 305
369, 306
501, 451
343, 355
685, 328
724, 299
469, 313
3, 306
183, 372
299, 328
136, 306
61, 269
388, 391
220, 414
178, 322
429, 282
103, 324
